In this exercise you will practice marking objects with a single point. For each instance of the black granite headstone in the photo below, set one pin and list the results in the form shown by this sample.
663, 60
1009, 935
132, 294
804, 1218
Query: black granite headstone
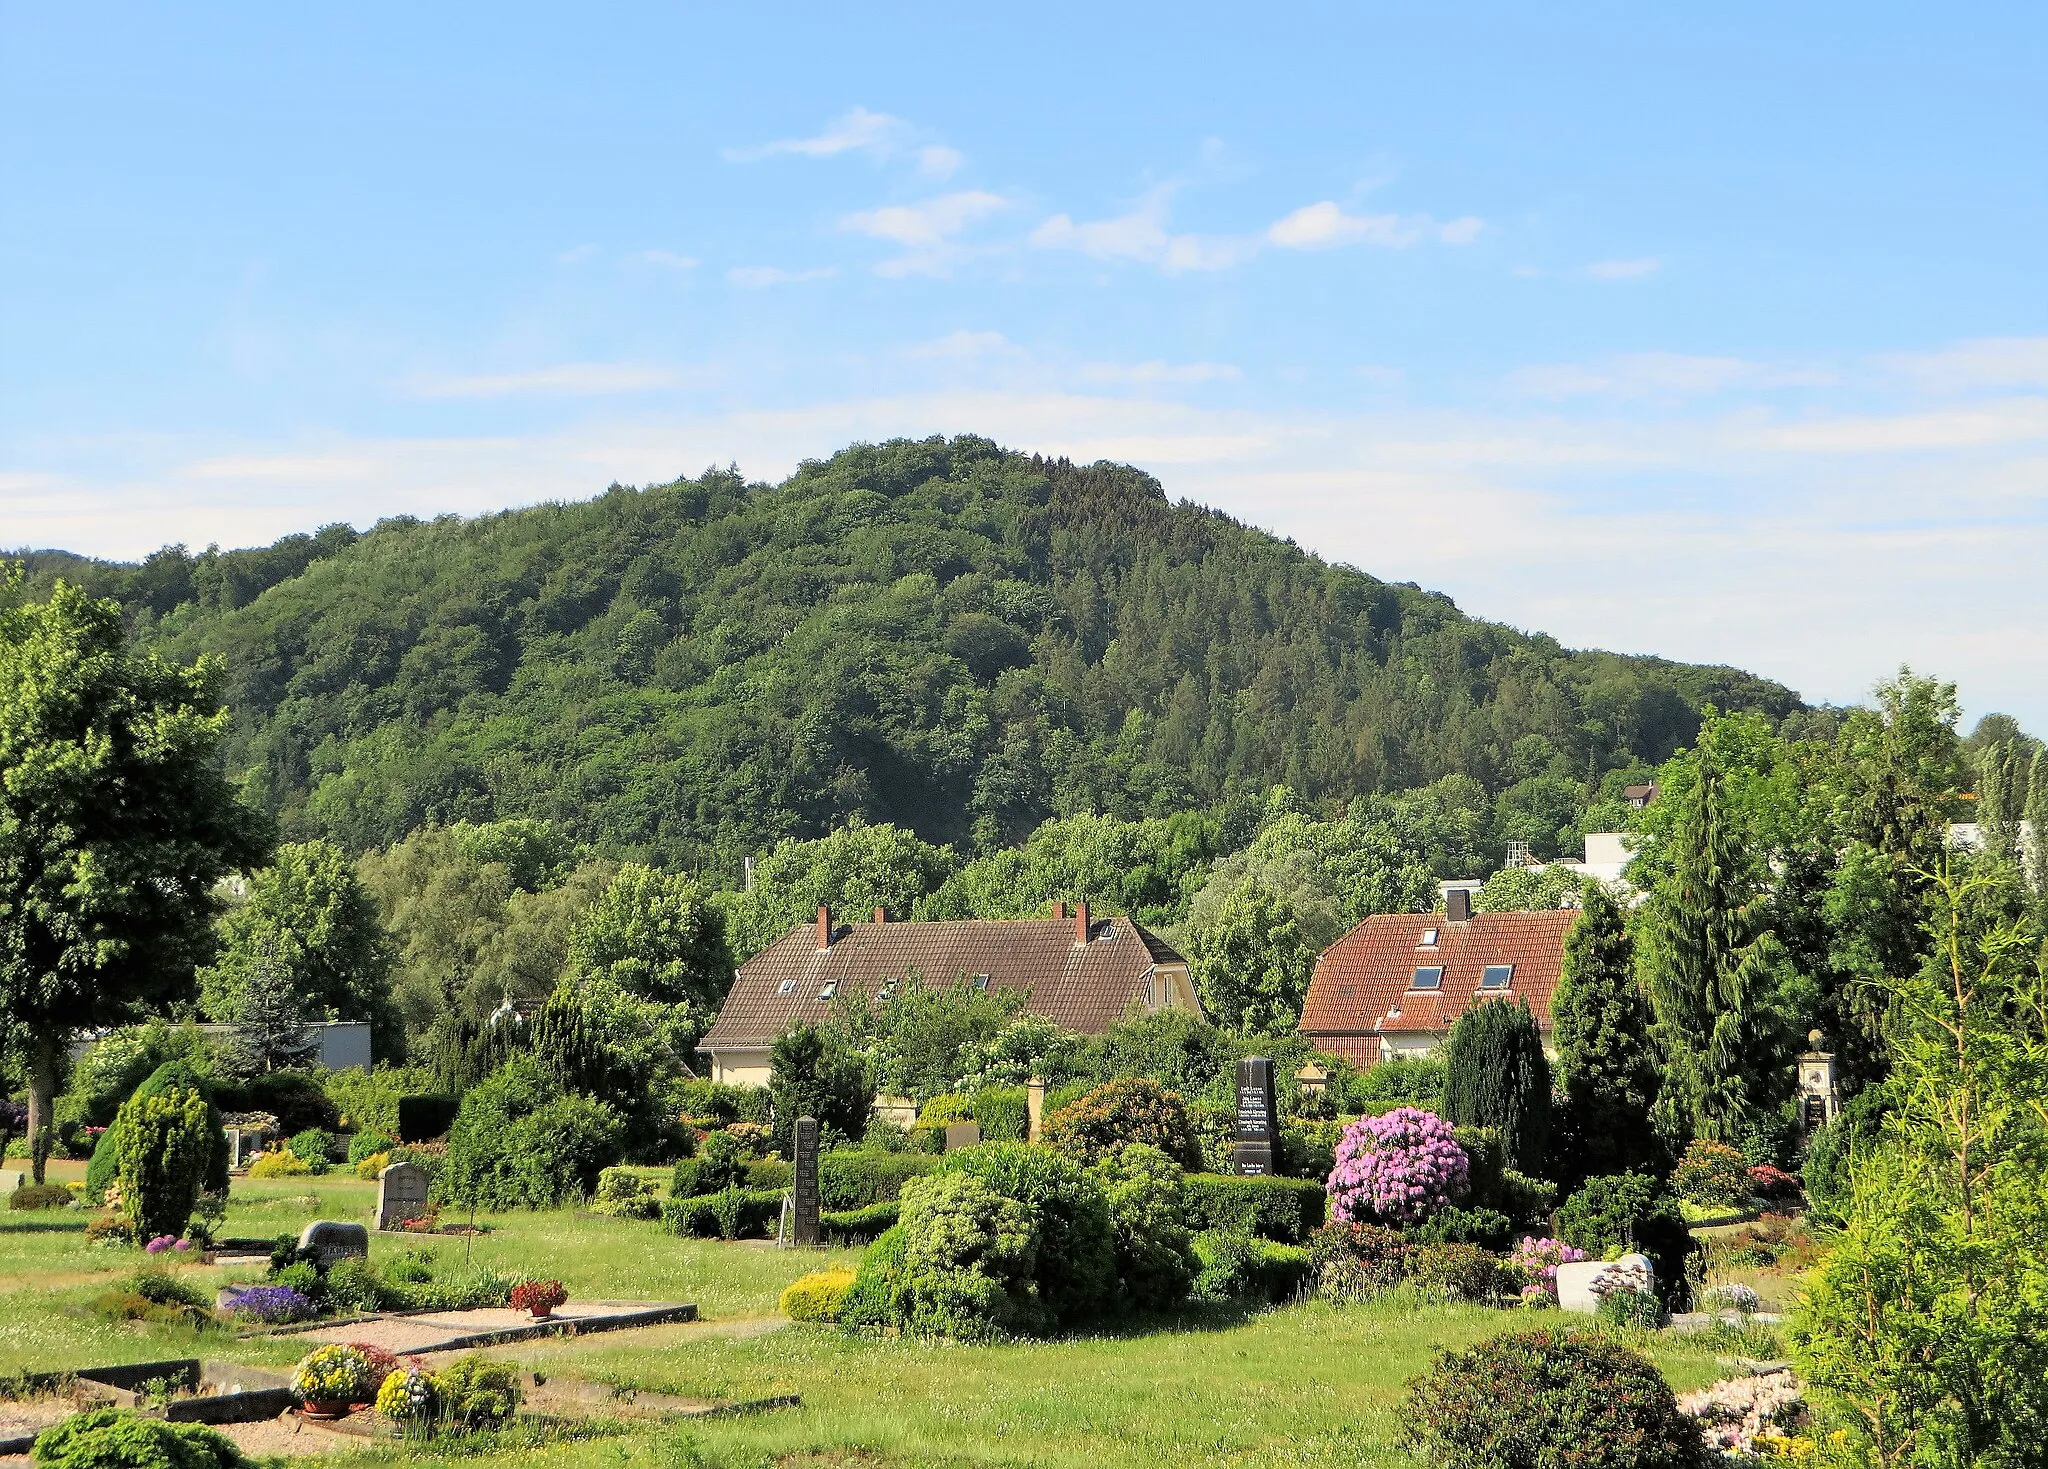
1258, 1118
805, 1187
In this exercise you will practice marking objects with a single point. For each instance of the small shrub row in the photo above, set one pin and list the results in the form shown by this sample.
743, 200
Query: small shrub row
817, 1296
860, 1226
1243, 1268
731, 1213
1285, 1210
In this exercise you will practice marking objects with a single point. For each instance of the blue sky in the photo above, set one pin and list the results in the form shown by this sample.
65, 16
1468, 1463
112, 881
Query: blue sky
1722, 336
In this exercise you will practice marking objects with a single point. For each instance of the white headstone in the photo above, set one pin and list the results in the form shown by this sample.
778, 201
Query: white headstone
1575, 1281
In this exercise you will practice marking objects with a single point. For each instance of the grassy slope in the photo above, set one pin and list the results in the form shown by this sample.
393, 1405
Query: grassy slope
1308, 1385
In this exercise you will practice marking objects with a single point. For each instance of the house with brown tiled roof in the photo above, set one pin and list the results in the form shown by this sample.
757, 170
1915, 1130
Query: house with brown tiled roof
1081, 972
1393, 986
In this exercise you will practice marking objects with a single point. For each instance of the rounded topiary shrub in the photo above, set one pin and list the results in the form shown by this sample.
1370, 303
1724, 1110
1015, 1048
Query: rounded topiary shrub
1076, 1262
118, 1438
1398, 1168
166, 1151
1548, 1398
519, 1142
1131, 1110
817, 1296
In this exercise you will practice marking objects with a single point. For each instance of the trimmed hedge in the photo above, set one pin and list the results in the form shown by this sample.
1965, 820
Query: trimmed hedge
857, 1180
732, 1213
1284, 1210
770, 1173
1242, 1267
859, 1226
817, 1296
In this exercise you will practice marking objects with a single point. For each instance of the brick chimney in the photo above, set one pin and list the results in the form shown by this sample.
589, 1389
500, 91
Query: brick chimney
1458, 905
1059, 908
881, 915
824, 927
1081, 922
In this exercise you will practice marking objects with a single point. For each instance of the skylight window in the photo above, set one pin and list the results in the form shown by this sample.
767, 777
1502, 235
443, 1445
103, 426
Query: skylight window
829, 990
1496, 976
785, 987
981, 981
1428, 977
1428, 939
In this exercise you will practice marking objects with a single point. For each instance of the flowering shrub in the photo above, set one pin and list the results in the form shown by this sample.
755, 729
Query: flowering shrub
273, 1305
1129, 1110
334, 1374
538, 1296
1733, 1297
1398, 1169
1712, 1174
1773, 1185
1548, 1396
1738, 1417
279, 1163
407, 1396
1535, 1261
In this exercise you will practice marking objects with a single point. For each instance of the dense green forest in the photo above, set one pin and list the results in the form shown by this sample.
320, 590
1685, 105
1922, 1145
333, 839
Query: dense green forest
958, 639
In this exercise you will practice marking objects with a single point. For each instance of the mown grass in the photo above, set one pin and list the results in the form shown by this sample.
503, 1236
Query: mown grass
1310, 1385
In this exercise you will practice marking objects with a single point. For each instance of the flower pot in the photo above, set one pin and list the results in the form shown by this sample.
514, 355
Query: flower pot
542, 1313
325, 1409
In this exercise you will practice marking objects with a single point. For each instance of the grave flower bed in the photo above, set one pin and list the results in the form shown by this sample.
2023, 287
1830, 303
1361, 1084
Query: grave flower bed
273, 1305
1743, 1418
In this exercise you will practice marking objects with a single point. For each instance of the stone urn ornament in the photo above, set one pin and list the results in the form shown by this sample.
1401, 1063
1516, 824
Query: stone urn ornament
538, 1298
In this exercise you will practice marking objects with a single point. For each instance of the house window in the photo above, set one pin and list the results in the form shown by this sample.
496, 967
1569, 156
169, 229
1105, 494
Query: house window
1496, 976
1428, 939
829, 990
1428, 977
981, 981
785, 987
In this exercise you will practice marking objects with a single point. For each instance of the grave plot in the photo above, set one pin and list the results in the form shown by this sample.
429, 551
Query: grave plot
453, 1331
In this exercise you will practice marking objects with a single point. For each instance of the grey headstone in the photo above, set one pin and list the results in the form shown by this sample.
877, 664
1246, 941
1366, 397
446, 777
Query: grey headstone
12, 1179
1251, 1155
331, 1240
401, 1194
804, 1188
962, 1135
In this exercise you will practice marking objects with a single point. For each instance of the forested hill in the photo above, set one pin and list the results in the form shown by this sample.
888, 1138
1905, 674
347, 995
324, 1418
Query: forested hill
941, 634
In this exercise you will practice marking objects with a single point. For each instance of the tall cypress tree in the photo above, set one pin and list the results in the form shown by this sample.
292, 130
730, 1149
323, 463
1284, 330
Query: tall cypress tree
1715, 975
1608, 1067
2036, 842
2001, 789
1496, 1075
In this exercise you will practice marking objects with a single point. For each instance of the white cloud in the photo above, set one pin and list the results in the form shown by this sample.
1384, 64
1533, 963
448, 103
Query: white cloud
667, 258
876, 134
926, 229
1325, 225
926, 224
967, 346
1142, 236
753, 277
1624, 270
1661, 374
567, 380
1157, 371
1989, 362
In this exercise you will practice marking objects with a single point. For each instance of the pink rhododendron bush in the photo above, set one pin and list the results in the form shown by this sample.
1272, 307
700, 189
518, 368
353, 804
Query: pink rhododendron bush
1397, 1169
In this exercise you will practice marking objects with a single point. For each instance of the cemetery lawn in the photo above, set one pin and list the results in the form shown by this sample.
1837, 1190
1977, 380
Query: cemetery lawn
1310, 1385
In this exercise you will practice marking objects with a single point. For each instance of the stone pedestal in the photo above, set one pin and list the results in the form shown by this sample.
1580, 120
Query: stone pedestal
1034, 1106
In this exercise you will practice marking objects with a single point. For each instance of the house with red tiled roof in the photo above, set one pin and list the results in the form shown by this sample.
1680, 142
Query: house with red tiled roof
1080, 972
1393, 986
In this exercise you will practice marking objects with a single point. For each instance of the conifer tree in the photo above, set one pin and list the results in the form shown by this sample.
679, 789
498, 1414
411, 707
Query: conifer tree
1497, 1076
2037, 826
2001, 780
1608, 1066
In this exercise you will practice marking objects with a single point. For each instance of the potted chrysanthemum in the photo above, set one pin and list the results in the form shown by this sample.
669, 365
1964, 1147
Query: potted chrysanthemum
329, 1379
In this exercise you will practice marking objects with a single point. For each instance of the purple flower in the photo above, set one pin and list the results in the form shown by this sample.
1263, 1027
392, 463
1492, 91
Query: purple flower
163, 1242
271, 1304
1397, 1169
